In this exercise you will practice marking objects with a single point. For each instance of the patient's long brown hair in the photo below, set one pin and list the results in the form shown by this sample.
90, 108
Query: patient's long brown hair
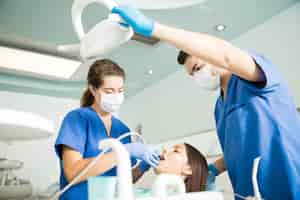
196, 182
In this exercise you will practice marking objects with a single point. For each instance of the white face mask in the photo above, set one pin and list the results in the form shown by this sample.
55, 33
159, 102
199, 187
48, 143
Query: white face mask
206, 80
111, 102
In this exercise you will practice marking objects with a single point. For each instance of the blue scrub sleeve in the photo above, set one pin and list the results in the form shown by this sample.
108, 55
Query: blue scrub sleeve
271, 75
72, 133
144, 166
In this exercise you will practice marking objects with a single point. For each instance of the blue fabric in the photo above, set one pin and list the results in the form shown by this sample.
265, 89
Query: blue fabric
254, 121
144, 166
82, 130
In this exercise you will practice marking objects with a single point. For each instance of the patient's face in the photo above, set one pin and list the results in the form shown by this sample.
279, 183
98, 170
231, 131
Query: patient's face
174, 161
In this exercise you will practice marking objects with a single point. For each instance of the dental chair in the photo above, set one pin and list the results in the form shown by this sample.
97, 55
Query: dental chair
12, 187
125, 190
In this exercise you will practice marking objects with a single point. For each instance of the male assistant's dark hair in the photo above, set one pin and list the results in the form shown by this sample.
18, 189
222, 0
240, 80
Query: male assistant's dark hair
182, 56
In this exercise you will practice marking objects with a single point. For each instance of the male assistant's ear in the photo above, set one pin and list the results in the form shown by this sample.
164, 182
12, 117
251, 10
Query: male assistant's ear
187, 170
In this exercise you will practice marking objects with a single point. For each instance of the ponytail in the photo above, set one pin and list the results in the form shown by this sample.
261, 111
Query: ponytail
87, 98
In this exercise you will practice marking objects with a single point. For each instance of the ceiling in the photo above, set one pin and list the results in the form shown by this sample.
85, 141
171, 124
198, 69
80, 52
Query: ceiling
49, 23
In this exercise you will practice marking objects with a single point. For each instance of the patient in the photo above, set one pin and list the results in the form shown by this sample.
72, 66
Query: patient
186, 161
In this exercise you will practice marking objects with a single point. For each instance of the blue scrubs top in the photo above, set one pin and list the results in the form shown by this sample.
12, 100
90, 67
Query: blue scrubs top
82, 130
257, 121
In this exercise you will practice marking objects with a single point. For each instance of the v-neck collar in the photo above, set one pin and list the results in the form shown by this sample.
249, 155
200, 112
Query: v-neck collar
102, 123
224, 97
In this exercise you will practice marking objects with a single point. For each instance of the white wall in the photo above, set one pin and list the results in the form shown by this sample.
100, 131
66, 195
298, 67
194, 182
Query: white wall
278, 39
40, 162
171, 108
175, 106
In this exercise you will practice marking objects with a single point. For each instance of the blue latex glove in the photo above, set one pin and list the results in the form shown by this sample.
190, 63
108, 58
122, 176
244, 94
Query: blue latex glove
143, 152
136, 19
213, 170
211, 179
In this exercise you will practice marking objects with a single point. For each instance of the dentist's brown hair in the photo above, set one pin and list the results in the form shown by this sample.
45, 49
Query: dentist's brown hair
97, 72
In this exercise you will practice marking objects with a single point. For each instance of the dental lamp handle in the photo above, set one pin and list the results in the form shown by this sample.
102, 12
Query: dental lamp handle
77, 10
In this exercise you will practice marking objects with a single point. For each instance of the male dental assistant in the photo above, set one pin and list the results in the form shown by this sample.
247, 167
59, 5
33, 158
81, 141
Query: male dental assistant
255, 113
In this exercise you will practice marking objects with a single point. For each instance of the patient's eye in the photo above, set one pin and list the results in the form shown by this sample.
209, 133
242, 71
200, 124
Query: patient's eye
177, 150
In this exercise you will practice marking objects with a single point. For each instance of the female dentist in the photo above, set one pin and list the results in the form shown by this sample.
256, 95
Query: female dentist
83, 128
255, 113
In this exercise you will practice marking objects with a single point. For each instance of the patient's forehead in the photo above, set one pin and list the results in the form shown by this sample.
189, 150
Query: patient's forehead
179, 146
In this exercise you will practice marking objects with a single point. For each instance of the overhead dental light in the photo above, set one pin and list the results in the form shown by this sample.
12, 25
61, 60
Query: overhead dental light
161, 4
19, 126
108, 34
104, 37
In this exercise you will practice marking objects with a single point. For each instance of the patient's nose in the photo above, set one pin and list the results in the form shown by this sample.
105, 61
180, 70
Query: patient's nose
164, 154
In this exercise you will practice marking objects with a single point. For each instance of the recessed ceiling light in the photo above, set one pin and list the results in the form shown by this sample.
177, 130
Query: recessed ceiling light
150, 72
220, 27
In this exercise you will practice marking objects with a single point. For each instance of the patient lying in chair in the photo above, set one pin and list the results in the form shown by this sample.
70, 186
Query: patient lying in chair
187, 162
182, 160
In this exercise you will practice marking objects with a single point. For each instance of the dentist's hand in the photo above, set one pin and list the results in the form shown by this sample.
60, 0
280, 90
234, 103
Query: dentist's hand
143, 152
136, 19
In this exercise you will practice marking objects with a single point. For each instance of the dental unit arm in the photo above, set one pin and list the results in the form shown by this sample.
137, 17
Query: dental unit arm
122, 161
123, 170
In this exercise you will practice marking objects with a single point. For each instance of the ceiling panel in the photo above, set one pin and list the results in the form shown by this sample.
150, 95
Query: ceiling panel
49, 22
